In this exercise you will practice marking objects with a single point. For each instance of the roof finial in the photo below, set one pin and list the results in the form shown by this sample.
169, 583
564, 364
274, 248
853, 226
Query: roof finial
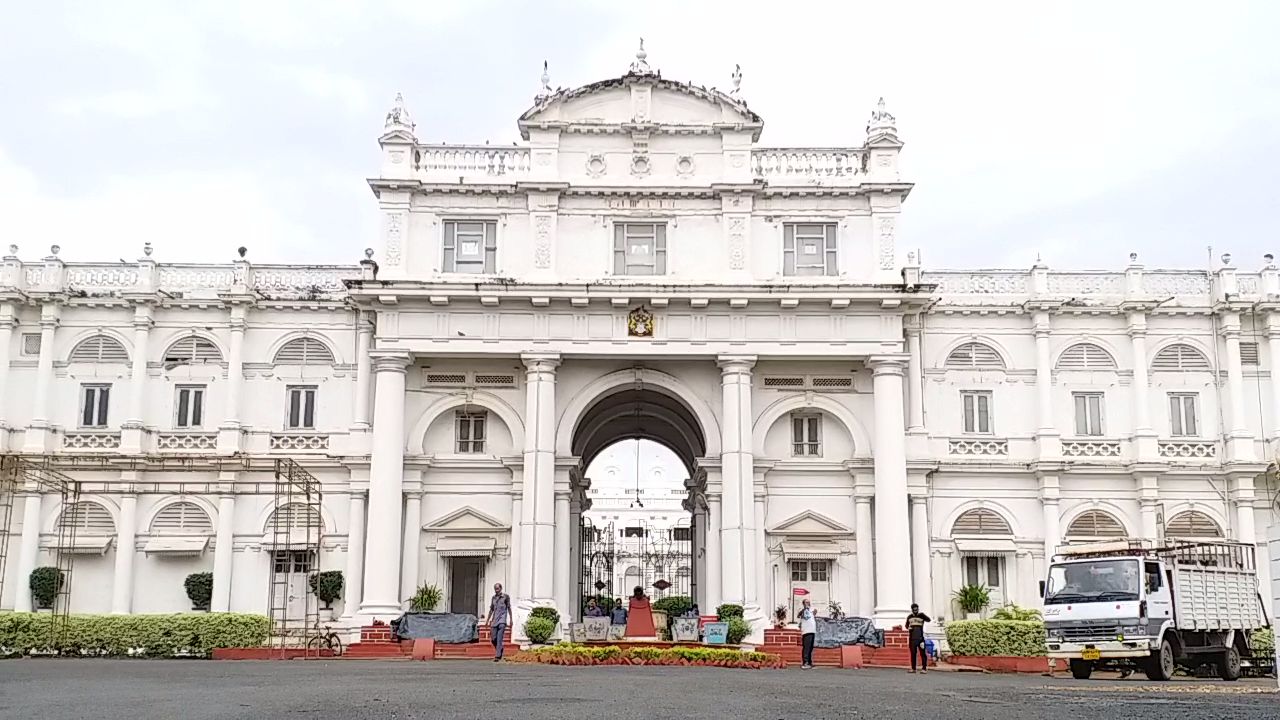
882, 122
640, 66
545, 91
737, 79
399, 115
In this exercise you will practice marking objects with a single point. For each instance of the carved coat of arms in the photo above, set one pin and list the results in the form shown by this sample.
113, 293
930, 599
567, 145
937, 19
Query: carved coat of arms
640, 323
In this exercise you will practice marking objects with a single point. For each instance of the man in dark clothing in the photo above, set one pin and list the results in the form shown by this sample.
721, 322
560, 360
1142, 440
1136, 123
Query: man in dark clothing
499, 618
915, 637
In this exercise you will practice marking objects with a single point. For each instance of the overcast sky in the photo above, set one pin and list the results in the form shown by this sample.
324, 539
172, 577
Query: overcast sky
1079, 130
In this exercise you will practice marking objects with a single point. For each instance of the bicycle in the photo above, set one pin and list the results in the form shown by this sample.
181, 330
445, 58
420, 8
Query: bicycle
326, 639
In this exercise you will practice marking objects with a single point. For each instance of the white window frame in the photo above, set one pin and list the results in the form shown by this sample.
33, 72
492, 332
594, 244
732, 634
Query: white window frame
95, 401
807, 443
308, 395
470, 420
655, 231
829, 248
973, 405
449, 242
1086, 425
1184, 414
195, 410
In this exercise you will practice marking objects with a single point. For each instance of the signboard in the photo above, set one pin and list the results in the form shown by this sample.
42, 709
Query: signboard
717, 633
799, 591
597, 628
684, 629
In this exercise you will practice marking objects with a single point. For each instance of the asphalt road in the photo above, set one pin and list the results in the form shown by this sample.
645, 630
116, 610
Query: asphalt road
349, 689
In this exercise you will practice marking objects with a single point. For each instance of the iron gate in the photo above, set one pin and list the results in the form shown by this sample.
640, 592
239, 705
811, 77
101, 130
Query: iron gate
614, 560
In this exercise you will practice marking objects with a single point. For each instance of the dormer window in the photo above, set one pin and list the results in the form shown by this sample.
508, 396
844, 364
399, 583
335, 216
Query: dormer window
809, 249
640, 249
470, 246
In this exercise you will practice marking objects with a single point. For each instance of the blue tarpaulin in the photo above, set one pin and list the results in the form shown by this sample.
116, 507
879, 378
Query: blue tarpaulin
847, 631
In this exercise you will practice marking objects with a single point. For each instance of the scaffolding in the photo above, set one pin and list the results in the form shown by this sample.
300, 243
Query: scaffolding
292, 544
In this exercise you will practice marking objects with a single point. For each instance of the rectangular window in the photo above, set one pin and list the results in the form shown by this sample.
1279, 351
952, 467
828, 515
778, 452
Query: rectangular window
977, 411
809, 249
993, 572
94, 400
818, 570
470, 432
301, 414
1183, 418
639, 249
682, 534
1088, 413
470, 246
190, 406
30, 344
799, 571
971, 571
806, 435
293, 561
633, 532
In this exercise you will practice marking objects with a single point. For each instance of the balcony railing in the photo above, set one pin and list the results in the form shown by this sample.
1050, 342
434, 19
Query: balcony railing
186, 441
981, 447
300, 442
472, 161
1188, 449
91, 440
813, 165
1091, 448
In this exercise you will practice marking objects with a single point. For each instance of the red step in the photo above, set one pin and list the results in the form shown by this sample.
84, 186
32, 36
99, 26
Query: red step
378, 650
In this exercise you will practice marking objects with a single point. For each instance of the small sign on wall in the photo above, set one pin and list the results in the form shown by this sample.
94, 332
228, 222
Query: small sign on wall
717, 633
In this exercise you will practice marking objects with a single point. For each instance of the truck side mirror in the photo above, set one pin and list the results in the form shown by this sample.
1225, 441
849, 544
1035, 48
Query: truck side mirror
1041, 588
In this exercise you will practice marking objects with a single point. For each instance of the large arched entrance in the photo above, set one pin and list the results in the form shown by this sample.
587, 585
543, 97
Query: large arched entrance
637, 447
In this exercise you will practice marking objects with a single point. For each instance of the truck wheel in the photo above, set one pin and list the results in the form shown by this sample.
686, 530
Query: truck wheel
1081, 669
1161, 664
1229, 664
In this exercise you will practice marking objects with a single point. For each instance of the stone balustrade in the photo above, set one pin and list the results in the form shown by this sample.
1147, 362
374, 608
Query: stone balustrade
814, 165
1199, 288
472, 162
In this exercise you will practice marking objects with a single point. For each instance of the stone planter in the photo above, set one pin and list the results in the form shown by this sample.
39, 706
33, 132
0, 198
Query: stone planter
660, 620
973, 616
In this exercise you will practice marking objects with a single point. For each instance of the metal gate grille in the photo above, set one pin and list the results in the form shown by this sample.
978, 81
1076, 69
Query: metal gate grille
615, 559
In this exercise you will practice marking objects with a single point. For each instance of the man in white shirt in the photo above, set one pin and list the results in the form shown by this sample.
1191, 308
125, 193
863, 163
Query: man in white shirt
808, 629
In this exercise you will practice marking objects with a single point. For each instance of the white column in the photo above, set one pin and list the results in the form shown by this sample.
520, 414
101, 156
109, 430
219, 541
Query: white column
355, 554
564, 560
223, 549
915, 382
514, 589
1273, 343
1052, 536
713, 595
1241, 442
1138, 340
761, 555
6, 340
386, 480
942, 591
364, 340
737, 480
920, 579
1027, 589
37, 435
122, 584
539, 477
411, 552
893, 541
866, 559
229, 431
28, 551
1046, 434
138, 377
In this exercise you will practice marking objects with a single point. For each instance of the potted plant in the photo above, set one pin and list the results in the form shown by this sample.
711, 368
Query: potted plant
327, 587
200, 590
973, 599
46, 583
780, 617
834, 611
426, 599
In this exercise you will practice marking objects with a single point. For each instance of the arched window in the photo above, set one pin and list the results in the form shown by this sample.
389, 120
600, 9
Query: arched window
1086, 356
87, 517
980, 521
1192, 524
304, 351
1180, 358
182, 518
192, 350
974, 356
1095, 524
295, 516
99, 349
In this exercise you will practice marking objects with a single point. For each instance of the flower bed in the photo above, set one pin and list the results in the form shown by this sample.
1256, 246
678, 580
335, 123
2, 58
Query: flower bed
572, 654
181, 635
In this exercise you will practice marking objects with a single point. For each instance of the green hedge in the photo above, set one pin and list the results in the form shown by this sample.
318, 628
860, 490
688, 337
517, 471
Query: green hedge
138, 635
1000, 638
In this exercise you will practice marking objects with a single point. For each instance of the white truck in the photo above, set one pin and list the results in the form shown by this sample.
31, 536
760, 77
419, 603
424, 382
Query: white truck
1125, 604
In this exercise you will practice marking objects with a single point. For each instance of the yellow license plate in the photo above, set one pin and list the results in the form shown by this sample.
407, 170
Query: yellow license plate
1090, 654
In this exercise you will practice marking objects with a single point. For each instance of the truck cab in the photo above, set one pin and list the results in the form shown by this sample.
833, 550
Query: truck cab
1154, 608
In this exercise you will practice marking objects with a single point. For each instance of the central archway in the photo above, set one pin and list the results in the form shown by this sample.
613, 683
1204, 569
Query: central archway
637, 444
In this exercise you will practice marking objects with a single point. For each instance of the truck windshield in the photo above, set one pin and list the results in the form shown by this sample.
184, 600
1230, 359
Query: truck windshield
1092, 581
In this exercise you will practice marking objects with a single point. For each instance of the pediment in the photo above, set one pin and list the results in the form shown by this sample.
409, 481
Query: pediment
810, 523
611, 103
467, 518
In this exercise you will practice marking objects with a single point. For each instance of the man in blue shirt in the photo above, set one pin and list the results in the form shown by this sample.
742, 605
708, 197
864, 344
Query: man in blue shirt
499, 617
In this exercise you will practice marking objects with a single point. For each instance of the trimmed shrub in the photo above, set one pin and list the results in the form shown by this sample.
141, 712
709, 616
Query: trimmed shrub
199, 590
539, 629
187, 634
1013, 612
1263, 642
1001, 638
45, 583
674, 606
738, 629
426, 599
327, 586
726, 611
546, 613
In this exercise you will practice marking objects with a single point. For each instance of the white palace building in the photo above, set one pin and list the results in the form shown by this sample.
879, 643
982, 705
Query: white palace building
639, 266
